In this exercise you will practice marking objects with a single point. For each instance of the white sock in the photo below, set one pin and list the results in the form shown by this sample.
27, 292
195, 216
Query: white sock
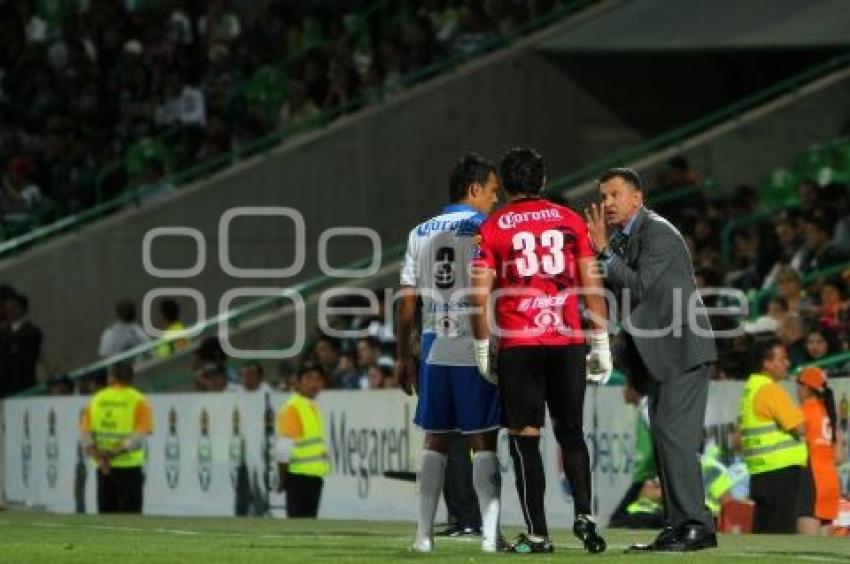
431, 476
487, 480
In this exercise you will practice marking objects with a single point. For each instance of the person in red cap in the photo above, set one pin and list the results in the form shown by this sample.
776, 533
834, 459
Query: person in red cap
820, 487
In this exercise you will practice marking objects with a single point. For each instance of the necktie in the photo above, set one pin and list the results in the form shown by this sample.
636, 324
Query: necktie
618, 243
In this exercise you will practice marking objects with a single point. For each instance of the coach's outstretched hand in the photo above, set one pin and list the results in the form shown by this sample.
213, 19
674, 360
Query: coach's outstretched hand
482, 358
599, 362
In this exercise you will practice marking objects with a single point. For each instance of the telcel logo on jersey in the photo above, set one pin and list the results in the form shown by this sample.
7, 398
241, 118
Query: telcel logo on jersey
543, 302
512, 219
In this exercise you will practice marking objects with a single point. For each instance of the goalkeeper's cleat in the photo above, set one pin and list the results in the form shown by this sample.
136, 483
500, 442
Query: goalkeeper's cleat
422, 545
527, 544
586, 531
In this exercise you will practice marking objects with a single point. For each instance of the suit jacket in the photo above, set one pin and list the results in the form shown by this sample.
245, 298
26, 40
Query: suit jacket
655, 282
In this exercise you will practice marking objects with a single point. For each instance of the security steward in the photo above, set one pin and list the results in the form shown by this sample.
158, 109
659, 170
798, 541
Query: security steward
771, 427
113, 431
302, 452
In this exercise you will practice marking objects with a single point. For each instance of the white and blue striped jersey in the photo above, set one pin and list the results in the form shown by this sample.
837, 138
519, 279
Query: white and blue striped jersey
439, 252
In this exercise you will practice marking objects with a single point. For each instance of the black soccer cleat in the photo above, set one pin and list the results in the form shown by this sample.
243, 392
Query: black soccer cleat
527, 545
585, 530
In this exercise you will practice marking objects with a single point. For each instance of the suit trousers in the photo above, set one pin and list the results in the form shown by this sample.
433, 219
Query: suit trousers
676, 418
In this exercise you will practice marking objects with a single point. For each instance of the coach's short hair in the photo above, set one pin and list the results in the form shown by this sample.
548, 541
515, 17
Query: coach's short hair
471, 169
523, 171
628, 175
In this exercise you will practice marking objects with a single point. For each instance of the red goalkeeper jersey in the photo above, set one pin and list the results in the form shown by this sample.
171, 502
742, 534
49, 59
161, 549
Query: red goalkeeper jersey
534, 246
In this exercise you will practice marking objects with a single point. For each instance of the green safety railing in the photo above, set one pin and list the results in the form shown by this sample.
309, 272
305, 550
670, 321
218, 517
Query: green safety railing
680, 134
194, 172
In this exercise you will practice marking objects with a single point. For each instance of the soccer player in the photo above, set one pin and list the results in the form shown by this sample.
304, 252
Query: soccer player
537, 256
453, 395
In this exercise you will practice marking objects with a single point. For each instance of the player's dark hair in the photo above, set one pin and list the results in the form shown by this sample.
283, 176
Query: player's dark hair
125, 310
170, 310
627, 175
763, 350
523, 171
471, 169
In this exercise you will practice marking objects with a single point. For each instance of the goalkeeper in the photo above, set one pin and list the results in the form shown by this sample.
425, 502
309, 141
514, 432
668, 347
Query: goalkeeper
535, 262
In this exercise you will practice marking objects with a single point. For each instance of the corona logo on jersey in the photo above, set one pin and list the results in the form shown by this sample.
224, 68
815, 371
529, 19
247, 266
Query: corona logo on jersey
205, 452
51, 449
236, 452
172, 451
26, 451
512, 219
462, 227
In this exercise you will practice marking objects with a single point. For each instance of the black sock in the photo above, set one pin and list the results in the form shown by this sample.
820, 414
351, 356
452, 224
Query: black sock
530, 482
576, 460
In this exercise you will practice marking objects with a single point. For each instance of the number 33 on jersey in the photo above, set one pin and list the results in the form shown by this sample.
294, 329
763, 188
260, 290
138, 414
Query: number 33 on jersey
534, 247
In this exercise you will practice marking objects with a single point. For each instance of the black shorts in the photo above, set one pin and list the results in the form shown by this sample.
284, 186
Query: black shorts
535, 377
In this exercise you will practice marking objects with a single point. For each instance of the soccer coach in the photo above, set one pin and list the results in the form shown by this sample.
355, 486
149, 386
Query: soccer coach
668, 347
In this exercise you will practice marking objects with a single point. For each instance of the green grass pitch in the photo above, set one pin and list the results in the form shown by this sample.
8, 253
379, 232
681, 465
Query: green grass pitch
27, 536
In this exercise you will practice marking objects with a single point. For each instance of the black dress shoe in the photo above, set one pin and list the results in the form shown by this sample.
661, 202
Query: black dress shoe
666, 536
697, 537
687, 538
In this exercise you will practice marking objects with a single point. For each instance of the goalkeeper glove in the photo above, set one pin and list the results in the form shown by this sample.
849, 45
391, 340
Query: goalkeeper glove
599, 362
482, 359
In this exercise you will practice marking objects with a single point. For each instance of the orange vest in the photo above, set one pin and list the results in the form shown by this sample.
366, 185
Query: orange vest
822, 459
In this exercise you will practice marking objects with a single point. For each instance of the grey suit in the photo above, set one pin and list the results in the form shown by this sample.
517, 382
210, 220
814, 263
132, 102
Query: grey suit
667, 353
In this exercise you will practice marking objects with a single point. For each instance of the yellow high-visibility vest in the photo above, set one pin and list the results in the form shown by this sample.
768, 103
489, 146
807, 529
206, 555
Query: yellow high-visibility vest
767, 447
309, 454
715, 479
112, 414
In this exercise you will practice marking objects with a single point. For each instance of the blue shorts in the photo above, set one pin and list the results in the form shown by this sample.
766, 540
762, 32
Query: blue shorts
455, 398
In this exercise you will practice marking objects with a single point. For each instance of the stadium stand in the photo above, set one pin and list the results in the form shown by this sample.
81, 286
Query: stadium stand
101, 99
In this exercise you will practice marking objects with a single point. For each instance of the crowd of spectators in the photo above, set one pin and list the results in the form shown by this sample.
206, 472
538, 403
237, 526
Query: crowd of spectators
771, 260
99, 95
